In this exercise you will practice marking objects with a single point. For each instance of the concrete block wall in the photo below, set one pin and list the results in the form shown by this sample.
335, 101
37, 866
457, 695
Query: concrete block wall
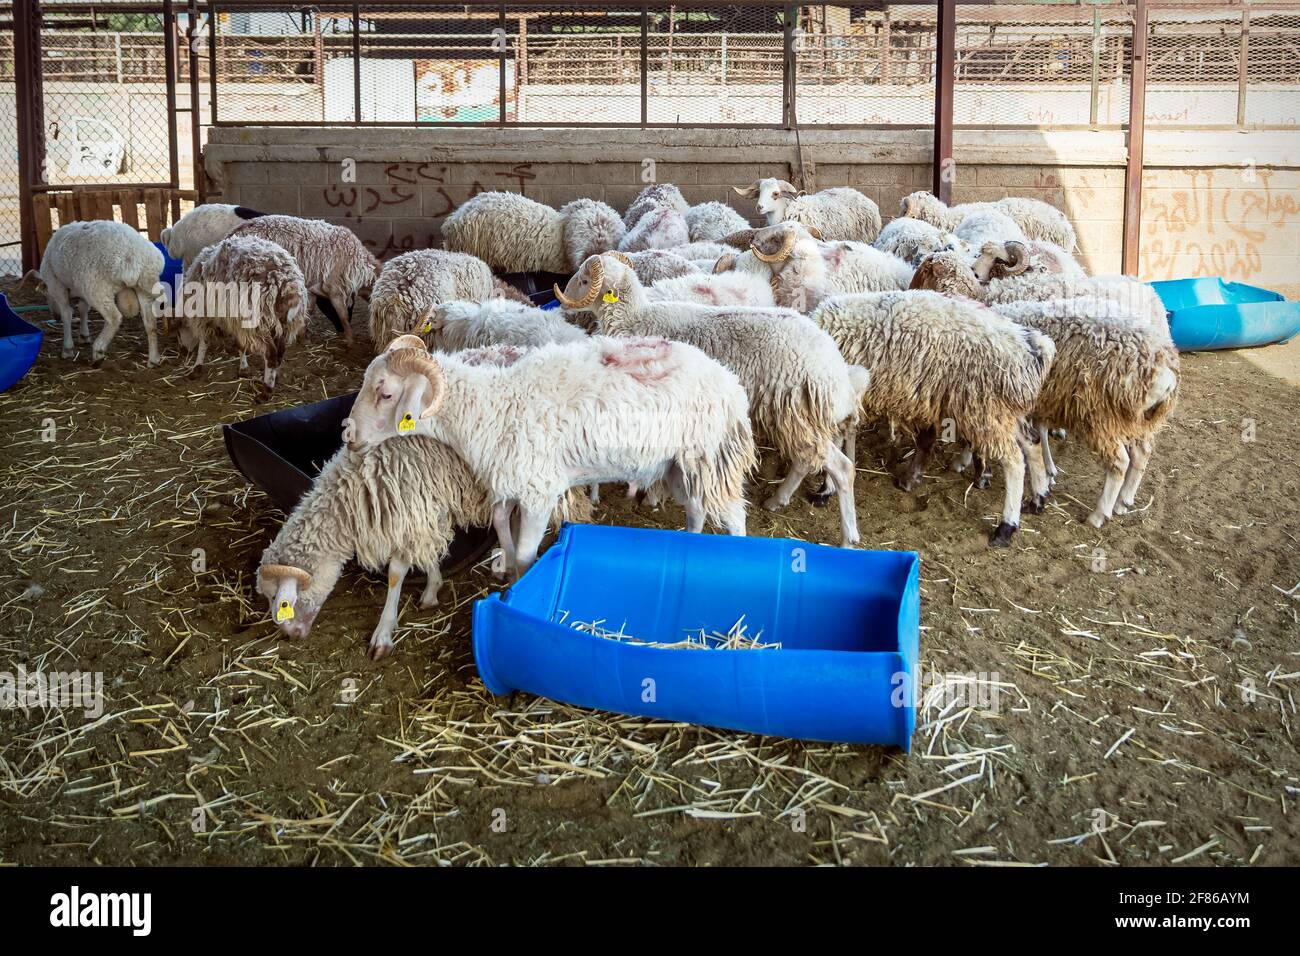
1204, 212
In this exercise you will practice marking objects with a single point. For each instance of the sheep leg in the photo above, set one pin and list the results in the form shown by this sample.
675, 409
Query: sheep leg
340, 303
145, 296
839, 471
849, 442
112, 321
734, 520
1040, 485
781, 498
381, 641
1013, 476
429, 596
981, 475
243, 361
532, 527
676, 483
911, 477
1139, 455
593, 492
1116, 469
58, 297
327, 309
1043, 435
84, 308
505, 562
963, 459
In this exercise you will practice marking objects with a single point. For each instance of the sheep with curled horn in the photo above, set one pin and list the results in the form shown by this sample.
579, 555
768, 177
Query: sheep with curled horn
1003, 259
839, 213
638, 410
801, 391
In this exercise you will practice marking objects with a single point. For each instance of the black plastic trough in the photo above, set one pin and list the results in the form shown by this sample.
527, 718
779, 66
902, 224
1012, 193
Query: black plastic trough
283, 452
536, 285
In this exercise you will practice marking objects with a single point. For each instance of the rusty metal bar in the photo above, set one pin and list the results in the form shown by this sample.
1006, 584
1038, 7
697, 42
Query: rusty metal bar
501, 39
31, 123
212, 62
1243, 66
1094, 79
945, 71
170, 68
1136, 135
196, 116
788, 68
645, 65
356, 64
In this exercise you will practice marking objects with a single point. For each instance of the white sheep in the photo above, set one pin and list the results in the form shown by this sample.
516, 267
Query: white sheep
513, 233
335, 264
652, 265
988, 224
1000, 259
839, 213
726, 289
655, 196
712, 222
912, 239
454, 326
802, 271
1113, 384
800, 392
575, 413
108, 267
250, 291
1038, 220
411, 283
932, 359
203, 226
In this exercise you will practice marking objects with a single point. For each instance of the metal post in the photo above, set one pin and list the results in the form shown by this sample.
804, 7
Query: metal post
788, 70
31, 122
645, 65
501, 38
169, 66
945, 69
212, 62
1095, 79
196, 118
356, 63
1136, 135
1243, 66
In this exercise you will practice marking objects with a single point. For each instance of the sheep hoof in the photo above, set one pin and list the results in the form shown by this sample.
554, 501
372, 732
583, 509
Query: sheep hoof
820, 499
982, 482
197, 371
97, 361
1001, 536
155, 362
1058, 433
380, 649
69, 353
1096, 519
907, 481
1036, 504
427, 604
774, 503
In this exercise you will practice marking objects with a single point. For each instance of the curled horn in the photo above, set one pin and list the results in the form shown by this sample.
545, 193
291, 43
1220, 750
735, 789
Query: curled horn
1017, 258
407, 341
623, 258
747, 191
787, 244
276, 571
417, 361
815, 233
597, 274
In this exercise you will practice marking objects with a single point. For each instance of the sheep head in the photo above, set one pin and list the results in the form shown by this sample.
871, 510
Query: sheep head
997, 260
776, 244
403, 385
771, 197
740, 239
600, 282
293, 600
924, 206
945, 271
726, 262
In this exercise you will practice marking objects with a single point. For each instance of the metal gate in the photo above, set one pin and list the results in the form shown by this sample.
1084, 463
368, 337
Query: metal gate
98, 124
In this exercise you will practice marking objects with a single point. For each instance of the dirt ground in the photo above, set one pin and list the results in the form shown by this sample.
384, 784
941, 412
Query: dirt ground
1143, 707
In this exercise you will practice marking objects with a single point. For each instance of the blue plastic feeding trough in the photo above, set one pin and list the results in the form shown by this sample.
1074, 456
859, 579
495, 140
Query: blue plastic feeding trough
172, 270
1211, 313
20, 343
847, 622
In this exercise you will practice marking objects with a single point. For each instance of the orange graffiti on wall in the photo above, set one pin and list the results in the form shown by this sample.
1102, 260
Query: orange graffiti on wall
1214, 228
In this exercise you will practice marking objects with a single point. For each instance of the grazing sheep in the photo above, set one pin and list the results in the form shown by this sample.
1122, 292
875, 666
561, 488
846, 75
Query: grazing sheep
334, 263
575, 413
252, 292
392, 507
947, 271
453, 326
712, 222
1000, 259
840, 213
108, 267
912, 239
1113, 384
932, 357
800, 392
1037, 219
203, 226
409, 284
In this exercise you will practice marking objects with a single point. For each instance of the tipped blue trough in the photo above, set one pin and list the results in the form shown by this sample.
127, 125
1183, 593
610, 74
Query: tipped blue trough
1211, 313
848, 623
20, 343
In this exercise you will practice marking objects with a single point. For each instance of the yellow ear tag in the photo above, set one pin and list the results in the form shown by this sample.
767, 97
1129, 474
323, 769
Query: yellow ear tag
427, 327
611, 297
284, 612
407, 424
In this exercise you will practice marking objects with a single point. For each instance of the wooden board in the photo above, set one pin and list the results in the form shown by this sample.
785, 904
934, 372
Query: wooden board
44, 226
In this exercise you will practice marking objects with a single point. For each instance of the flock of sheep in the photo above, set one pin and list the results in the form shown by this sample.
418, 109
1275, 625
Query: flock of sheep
685, 339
